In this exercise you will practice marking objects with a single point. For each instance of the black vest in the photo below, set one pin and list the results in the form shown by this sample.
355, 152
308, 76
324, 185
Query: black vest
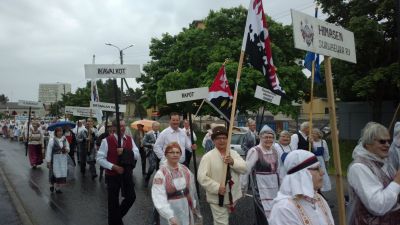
303, 143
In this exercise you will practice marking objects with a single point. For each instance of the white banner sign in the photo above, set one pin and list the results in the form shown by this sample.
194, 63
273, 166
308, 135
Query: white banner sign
79, 111
186, 95
93, 71
267, 95
30, 104
110, 107
314, 35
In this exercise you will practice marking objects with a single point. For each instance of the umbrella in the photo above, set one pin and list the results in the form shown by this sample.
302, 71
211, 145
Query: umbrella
53, 126
146, 123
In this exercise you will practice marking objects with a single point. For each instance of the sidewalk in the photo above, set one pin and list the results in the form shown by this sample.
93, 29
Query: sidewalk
8, 212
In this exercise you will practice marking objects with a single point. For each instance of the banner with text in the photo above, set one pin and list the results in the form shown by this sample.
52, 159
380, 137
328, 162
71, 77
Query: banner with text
314, 35
186, 95
93, 71
267, 95
79, 111
109, 107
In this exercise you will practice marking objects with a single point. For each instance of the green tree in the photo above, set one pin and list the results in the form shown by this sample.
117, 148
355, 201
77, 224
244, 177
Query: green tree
3, 99
376, 76
193, 57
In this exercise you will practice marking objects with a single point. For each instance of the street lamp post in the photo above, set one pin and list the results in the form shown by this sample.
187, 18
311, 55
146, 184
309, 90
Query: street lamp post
121, 57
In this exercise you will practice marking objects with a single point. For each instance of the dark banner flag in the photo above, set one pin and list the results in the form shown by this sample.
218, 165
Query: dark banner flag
256, 44
220, 95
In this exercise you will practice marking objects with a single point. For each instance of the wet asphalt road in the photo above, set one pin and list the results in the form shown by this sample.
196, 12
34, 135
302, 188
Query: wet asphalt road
84, 201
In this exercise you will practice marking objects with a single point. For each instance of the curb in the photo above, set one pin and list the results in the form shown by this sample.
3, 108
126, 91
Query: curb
23, 215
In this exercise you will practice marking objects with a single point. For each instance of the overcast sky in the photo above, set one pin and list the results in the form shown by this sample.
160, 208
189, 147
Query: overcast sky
50, 41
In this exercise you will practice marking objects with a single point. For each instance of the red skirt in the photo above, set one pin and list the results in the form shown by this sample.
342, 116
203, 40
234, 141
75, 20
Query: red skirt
35, 154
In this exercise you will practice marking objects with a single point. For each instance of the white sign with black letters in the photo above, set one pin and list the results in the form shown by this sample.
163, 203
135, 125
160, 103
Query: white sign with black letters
96, 71
30, 103
109, 107
267, 95
186, 95
314, 35
79, 111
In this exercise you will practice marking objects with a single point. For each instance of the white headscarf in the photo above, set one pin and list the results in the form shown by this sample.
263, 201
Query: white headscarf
299, 182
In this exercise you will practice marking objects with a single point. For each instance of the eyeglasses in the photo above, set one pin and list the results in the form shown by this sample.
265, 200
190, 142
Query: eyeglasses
384, 141
318, 168
221, 138
174, 153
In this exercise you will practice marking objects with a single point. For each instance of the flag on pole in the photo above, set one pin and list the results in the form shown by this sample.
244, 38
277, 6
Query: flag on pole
256, 44
310, 57
220, 95
94, 97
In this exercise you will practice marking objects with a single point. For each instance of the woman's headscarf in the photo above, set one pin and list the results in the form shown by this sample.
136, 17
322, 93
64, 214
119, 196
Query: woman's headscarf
298, 180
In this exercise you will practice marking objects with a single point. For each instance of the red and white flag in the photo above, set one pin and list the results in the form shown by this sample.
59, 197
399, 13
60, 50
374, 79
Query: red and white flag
256, 44
220, 95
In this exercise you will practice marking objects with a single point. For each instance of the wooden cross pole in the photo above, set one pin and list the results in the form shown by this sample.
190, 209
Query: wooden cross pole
335, 140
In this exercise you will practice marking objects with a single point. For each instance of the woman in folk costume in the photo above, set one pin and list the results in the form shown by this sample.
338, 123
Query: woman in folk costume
262, 166
173, 191
283, 148
320, 149
298, 202
57, 160
374, 184
35, 146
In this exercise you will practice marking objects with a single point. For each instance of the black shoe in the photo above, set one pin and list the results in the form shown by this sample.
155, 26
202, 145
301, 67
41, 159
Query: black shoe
94, 176
146, 183
51, 189
58, 191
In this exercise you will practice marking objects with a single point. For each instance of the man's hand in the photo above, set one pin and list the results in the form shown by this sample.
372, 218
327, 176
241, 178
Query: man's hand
118, 169
221, 190
194, 147
119, 151
228, 160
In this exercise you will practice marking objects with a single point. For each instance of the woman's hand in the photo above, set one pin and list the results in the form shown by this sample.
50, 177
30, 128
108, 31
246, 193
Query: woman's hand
173, 221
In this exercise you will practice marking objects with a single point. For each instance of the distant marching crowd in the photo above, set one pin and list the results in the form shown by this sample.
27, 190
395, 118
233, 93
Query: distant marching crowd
287, 182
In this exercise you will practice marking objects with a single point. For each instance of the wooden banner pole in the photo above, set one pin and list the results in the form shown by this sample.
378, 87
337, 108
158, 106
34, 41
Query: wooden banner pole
335, 141
311, 105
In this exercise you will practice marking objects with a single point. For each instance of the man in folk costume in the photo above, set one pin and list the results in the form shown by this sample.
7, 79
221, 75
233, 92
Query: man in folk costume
299, 140
263, 166
211, 173
374, 184
119, 164
298, 202
88, 150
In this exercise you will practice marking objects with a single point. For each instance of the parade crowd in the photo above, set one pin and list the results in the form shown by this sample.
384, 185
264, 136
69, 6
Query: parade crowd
286, 181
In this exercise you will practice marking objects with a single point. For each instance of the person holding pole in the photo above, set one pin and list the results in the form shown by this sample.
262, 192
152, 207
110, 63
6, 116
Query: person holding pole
298, 201
35, 146
211, 172
173, 134
374, 185
119, 164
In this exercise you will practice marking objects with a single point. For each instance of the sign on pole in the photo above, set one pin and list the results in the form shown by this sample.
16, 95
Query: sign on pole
30, 103
110, 107
79, 111
96, 71
267, 95
186, 95
314, 35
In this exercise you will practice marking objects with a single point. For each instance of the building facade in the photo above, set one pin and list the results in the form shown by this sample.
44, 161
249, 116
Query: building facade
51, 93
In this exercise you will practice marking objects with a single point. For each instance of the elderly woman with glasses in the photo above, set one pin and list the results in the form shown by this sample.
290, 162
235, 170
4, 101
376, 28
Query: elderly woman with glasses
374, 185
173, 191
262, 163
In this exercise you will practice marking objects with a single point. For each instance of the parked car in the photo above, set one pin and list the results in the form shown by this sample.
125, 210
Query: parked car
237, 140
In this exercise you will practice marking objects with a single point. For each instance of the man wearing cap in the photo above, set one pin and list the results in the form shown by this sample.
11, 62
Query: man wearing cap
211, 172
298, 202
173, 134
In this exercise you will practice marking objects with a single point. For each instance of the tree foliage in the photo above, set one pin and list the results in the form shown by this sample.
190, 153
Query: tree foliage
375, 77
3, 99
193, 57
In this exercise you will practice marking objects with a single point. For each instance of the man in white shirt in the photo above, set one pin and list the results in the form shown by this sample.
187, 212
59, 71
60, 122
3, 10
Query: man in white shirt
119, 163
173, 134
299, 140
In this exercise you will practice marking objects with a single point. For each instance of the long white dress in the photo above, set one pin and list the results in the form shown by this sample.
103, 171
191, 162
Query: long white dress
174, 195
326, 186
